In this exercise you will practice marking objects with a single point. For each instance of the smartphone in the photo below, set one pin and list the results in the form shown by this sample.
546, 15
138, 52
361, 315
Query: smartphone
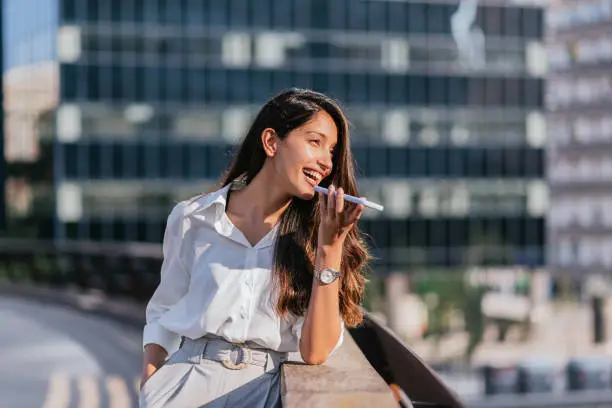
350, 198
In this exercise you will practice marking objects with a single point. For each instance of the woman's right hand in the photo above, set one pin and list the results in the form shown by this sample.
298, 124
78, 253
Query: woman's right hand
337, 218
154, 358
147, 373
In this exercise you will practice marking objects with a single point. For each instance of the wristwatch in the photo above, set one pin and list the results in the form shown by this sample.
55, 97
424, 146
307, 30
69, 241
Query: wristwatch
327, 275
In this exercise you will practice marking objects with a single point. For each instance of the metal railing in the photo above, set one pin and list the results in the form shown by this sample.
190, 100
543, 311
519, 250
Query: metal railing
130, 269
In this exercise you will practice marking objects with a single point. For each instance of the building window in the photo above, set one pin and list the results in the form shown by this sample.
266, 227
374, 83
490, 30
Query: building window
429, 136
564, 253
397, 198
110, 125
69, 202
537, 199
396, 128
460, 135
236, 122
536, 129
68, 123
558, 131
429, 202
585, 212
271, 48
236, 50
69, 44
459, 203
197, 125
605, 173
607, 214
395, 55
138, 113
536, 59
558, 56
606, 252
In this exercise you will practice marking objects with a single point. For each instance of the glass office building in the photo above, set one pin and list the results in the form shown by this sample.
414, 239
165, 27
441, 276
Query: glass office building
579, 106
446, 105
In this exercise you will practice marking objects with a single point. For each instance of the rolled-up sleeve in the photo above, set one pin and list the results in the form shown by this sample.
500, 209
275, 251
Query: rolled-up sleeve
297, 332
173, 284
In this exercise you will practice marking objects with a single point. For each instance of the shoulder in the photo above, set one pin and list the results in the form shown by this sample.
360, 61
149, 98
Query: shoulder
198, 201
182, 210
203, 201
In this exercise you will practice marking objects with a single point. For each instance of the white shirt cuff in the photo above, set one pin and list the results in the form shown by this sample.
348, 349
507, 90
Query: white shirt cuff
156, 334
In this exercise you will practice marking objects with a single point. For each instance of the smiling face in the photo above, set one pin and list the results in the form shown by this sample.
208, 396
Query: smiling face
304, 157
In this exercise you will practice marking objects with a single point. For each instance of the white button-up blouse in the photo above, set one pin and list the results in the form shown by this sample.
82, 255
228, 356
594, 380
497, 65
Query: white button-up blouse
214, 281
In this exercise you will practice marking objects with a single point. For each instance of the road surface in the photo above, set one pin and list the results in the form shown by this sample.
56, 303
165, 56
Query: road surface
54, 356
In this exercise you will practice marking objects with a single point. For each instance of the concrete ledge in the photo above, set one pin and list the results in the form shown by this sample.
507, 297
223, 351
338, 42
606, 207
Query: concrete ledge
346, 380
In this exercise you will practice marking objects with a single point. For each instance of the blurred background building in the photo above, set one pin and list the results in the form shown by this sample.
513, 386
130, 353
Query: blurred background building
117, 109
579, 100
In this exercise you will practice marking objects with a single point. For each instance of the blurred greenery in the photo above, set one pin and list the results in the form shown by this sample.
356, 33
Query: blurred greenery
446, 295
19, 271
442, 294
474, 319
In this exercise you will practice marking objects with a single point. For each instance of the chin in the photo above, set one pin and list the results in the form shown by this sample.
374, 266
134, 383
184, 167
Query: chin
306, 195
305, 192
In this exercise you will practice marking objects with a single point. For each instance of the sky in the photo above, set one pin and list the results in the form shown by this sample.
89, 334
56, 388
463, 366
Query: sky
29, 31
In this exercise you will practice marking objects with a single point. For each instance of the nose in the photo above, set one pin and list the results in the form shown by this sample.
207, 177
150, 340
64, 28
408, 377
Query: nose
325, 162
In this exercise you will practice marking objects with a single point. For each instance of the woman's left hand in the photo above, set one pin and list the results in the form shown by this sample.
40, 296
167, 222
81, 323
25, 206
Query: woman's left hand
337, 219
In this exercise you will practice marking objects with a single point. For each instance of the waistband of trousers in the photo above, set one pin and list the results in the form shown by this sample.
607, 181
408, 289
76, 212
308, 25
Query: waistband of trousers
232, 355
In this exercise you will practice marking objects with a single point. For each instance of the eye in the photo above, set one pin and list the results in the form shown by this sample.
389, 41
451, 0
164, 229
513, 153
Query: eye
315, 142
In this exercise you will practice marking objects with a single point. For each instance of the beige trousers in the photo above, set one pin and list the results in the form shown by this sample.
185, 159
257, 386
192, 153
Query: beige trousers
213, 373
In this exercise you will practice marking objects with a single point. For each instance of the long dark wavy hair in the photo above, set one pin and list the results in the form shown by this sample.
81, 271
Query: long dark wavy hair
296, 244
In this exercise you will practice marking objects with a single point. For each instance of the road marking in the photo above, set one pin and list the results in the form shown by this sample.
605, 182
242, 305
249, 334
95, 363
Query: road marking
119, 396
58, 394
89, 392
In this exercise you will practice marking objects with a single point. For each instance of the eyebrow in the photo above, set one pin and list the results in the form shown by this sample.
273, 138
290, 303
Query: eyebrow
323, 135
318, 133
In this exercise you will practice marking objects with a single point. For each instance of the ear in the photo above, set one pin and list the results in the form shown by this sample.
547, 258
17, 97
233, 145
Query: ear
269, 141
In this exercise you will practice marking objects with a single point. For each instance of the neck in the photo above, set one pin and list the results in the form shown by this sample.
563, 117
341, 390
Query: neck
261, 199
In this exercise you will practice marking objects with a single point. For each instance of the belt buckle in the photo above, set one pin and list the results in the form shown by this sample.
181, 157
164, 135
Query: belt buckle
246, 357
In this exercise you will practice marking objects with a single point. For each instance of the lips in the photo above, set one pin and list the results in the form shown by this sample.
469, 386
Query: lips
312, 176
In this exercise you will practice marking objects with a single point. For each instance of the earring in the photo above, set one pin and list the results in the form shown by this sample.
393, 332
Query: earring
239, 182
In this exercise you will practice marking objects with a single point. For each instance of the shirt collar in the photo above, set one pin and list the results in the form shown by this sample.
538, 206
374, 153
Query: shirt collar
202, 202
218, 200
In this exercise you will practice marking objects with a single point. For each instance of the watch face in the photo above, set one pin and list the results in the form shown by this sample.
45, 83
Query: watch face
327, 276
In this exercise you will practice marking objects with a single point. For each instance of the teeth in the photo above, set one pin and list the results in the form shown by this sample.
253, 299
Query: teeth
312, 174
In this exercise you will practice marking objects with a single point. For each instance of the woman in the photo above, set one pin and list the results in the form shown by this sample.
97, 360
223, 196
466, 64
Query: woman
259, 268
